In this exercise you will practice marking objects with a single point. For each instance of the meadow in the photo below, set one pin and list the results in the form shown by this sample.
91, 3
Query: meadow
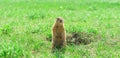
25, 28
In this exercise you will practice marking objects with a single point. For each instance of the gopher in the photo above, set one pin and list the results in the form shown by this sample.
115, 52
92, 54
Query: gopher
58, 34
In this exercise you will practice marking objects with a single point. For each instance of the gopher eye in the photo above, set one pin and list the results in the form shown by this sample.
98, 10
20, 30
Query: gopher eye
60, 21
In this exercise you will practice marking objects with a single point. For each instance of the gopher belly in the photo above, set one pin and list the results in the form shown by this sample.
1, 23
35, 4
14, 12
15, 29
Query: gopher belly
59, 42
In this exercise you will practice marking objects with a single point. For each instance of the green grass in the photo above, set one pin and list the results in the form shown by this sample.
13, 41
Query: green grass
25, 24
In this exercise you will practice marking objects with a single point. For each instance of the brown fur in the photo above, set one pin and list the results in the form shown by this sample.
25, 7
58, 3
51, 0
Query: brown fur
58, 34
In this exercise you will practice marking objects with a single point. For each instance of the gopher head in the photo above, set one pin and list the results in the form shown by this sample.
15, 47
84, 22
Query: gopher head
59, 21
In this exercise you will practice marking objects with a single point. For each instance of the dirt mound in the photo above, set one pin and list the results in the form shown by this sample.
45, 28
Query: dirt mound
79, 38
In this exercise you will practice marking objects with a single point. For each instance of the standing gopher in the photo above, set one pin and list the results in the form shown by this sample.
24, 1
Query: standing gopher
58, 34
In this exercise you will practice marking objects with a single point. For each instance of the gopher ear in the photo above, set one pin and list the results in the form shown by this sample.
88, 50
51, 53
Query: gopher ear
58, 18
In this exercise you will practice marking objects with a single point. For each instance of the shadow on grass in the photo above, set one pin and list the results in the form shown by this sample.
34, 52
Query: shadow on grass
58, 52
